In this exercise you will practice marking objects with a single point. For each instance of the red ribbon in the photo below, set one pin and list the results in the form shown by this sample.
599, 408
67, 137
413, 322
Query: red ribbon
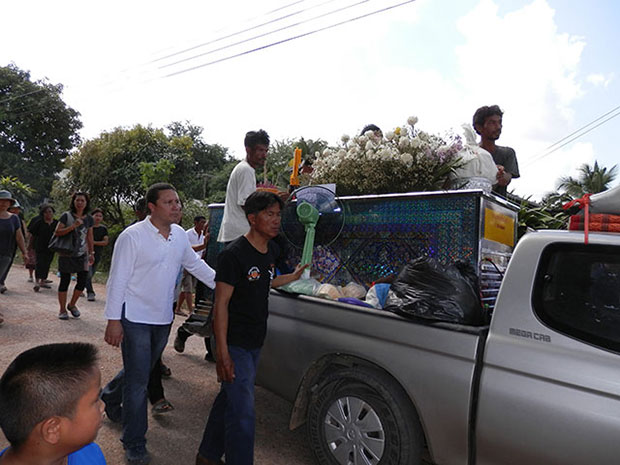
583, 202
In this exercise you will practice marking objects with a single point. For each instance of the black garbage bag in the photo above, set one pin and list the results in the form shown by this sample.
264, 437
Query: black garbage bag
427, 289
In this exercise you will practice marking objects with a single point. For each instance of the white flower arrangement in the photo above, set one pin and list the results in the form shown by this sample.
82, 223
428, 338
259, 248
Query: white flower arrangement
405, 160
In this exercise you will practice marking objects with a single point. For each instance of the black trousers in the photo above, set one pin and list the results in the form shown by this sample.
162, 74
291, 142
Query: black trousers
44, 260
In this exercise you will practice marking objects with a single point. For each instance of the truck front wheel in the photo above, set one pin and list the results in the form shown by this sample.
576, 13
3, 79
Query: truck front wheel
360, 416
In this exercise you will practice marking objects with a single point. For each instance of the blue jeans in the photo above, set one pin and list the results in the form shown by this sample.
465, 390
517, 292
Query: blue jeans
230, 428
142, 346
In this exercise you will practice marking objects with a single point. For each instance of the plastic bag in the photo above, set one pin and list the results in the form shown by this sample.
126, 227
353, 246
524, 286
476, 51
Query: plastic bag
478, 166
427, 289
606, 202
354, 301
329, 291
302, 286
357, 291
377, 295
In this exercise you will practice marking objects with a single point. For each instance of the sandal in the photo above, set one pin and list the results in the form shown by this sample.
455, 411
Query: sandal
74, 311
63, 316
162, 406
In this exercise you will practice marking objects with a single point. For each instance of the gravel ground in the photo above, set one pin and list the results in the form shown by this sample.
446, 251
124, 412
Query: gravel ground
173, 438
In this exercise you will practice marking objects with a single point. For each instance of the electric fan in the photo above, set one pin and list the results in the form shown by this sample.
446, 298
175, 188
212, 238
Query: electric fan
312, 216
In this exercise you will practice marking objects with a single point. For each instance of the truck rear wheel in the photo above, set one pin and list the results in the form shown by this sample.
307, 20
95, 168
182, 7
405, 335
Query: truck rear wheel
360, 416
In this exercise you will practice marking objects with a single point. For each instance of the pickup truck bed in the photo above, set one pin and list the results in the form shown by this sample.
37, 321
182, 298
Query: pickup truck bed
434, 363
539, 386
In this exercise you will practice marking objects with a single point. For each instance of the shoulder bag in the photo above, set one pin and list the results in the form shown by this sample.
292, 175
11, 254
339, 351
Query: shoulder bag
66, 245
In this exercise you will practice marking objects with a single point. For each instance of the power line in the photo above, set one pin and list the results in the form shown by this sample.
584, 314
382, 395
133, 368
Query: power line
338, 10
546, 153
15, 97
247, 52
24, 110
583, 127
219, 39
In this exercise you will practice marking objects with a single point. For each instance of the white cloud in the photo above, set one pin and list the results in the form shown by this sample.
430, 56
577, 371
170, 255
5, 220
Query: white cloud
320, 86
598, 79
521, 62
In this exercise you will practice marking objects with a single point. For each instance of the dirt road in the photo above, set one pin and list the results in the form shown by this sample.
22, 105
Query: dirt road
173, 438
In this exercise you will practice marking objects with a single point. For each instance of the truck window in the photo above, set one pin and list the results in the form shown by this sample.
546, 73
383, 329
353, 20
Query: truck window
577, 292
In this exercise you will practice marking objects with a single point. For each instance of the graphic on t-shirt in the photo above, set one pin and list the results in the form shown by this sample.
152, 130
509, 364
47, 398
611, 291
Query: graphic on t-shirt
254, 274
272, 272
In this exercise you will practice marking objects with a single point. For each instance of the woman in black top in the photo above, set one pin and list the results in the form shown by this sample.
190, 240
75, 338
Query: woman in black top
100, 240
76, 221
10, 236
41, 229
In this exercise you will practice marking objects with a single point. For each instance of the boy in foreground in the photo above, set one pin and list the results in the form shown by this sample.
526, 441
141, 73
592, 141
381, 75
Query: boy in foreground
50, 410
245, 273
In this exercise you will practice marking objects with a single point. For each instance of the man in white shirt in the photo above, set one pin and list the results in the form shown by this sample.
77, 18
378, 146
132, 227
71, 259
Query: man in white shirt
140, 292
188, 283
241, 184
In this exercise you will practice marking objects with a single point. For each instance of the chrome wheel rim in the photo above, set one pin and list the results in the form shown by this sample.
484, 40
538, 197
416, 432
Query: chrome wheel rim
353, 432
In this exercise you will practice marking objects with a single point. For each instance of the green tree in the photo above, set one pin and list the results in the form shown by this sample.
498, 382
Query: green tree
219, 181
591, 180
37, 129
18, 189
152, 172
117, 167
194, 174
547, 214
282, 152
109, 167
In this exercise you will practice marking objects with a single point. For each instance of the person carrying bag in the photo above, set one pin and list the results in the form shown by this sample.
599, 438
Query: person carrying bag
77, 226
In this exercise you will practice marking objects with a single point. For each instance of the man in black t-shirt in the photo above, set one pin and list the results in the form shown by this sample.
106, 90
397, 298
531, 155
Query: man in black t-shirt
488, 124
245, 272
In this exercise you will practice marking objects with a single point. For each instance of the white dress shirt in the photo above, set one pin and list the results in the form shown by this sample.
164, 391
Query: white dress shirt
144, 270
241, 184
195, 239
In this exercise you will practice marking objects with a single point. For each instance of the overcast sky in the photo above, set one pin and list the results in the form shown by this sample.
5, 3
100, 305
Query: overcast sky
552, 65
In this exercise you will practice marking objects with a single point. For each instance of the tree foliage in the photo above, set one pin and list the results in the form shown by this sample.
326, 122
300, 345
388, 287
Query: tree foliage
194, 173
37, 129
282, 152
18, 189
591, 180
549, 213
118, 166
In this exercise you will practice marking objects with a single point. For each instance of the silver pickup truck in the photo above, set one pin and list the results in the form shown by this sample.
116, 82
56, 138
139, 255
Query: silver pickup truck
539, 385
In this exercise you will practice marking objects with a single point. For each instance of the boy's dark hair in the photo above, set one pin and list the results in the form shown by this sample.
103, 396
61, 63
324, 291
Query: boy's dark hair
254, 138
43, 382
259, 201
153, 193
83, 194
199, 218
97, 210
483, 113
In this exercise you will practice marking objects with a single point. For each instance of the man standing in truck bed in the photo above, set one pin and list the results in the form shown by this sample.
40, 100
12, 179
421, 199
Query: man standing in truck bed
241, 184
488, 123
244, 274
